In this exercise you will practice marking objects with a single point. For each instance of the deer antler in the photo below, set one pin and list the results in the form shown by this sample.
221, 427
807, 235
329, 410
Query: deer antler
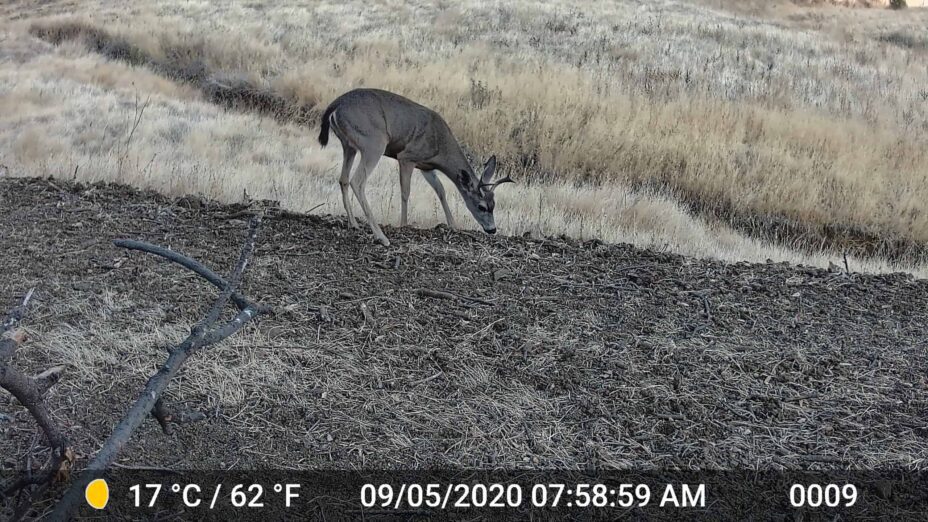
493, 186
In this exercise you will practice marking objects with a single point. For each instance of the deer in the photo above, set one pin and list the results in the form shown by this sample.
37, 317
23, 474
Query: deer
379, 123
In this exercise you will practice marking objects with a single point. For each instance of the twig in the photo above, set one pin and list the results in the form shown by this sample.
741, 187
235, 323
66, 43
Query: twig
427, 379
439, 294
139, 112
810, 395
146, 468
272, 213
705, 307
821, 458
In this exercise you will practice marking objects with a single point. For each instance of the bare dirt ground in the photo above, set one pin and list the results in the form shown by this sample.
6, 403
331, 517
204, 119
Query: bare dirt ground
557, 353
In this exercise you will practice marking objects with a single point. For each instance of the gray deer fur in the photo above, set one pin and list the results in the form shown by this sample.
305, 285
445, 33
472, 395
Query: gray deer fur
380, 123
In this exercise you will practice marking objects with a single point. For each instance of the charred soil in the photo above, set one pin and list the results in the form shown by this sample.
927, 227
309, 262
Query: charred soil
455, 349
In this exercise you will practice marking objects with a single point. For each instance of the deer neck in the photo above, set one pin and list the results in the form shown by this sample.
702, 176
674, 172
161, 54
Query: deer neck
458, 169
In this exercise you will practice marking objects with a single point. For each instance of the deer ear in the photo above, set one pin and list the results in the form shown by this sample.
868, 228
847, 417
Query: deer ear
489, 168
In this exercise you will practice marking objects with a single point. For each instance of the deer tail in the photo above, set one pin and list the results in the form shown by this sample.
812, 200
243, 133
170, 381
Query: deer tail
324, 133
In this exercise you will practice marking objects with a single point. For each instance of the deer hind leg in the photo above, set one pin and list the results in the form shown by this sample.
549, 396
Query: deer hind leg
405, 179
369, 159
348, 159
433, 180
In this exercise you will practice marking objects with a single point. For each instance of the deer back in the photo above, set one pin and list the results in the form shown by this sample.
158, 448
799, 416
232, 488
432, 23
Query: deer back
412, 132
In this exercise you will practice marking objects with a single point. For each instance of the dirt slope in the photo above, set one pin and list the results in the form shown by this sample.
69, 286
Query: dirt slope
576, 354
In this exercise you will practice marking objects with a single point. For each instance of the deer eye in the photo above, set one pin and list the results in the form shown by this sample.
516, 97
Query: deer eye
482, 207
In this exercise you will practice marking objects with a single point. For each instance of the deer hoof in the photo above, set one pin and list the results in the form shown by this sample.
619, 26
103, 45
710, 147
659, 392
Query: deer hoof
384, 241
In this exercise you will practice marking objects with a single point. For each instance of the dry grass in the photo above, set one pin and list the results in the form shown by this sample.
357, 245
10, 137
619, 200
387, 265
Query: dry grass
640, 360
670, 125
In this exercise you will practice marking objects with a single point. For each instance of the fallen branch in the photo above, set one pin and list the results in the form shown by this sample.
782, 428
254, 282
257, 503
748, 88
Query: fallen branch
203, 334
195, 266
439, 294
30, 392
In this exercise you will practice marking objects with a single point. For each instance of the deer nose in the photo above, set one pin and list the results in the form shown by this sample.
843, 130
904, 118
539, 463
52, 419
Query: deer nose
490, 230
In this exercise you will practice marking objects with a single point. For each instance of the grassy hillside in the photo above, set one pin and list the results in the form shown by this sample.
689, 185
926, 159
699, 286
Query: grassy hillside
771, 131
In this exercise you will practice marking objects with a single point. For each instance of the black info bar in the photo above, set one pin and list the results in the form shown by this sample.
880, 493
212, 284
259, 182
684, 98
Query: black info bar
536, 494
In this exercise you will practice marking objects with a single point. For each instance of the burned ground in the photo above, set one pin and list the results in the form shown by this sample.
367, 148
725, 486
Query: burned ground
550, 353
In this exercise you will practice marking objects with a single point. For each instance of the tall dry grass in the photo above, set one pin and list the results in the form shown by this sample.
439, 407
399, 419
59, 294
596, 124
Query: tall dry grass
619, 119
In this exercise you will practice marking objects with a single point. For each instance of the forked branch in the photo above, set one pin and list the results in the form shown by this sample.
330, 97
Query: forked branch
203, 334
198, 268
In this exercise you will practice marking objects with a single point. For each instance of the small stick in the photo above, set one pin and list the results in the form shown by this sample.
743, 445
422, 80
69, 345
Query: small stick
821, 458
811, 395
145, 468
427, 379
439, 294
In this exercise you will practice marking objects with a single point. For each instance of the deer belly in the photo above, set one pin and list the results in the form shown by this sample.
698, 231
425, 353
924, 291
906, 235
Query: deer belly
393, 149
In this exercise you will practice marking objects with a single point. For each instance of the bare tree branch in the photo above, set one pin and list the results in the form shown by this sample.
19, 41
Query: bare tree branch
30, 392
235, 279
201, 335
212, 277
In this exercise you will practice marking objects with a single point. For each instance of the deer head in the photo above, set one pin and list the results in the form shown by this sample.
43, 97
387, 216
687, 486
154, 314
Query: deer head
481, 202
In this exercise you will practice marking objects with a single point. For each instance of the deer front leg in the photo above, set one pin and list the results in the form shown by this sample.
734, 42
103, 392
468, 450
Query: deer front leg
405, 179
439, 189
358, 180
